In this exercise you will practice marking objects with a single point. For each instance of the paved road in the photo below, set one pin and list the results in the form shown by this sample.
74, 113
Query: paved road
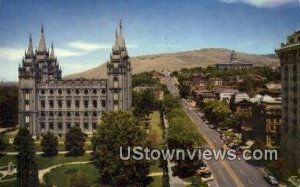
226, 173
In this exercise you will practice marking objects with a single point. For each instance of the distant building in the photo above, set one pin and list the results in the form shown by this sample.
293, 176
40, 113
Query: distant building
225, 94
266, 120
49, 103
241, 104
234, 63
204, 96
159, 95
289, 57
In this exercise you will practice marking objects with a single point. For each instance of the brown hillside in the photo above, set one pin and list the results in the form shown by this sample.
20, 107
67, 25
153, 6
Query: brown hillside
178, 60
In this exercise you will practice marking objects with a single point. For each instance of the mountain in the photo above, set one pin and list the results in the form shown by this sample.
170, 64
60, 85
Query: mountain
178, 60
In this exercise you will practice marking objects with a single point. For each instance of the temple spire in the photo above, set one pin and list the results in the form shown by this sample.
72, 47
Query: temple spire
30, 48
42, 42
120, 31
52, 51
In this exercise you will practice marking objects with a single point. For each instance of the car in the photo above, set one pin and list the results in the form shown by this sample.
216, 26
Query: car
272, 180
212, 126
218, 130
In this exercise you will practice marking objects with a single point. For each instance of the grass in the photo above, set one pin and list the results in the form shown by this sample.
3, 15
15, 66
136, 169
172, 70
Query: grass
4, 160
157, 182
155, 129
155, 167
9, 184
60, 176
45, 162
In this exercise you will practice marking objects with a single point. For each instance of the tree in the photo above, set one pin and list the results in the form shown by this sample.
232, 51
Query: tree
8, 106
79, 179
119, 129
74, 141
2, 145
184, 90
169, 103
49, 144
144, 103
27, 170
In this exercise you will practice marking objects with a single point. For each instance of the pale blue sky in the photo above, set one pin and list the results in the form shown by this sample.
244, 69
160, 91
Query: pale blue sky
83, 31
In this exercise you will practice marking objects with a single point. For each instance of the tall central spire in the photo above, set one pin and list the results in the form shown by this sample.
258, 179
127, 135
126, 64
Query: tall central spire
42, 42
52, 52
30, 48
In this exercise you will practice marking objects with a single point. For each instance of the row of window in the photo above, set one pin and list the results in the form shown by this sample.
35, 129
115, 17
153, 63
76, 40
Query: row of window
69, 91
59, 126
69, 103
69, 114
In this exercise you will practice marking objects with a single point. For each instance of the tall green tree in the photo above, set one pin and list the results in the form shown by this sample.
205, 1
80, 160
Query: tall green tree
49, 144
27, 170
8, 106
144, 103
74, 141
79, 179
119, 129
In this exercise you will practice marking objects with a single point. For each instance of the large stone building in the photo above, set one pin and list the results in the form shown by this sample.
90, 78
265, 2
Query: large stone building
49, 103
234, 63
289, 56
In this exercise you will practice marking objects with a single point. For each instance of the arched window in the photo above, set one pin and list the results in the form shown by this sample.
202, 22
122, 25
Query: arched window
116, 82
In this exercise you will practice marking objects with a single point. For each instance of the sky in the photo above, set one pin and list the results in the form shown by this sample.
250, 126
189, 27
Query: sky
83, 31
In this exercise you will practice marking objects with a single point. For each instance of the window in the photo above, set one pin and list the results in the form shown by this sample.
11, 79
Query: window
77, 114
68, 125
86, 91
103, 91
51, 104
86, 126
51, 114
27, 96
43, 104
42, 92
51, 126
27, 107
68, 91
69, 104
94, 125
77, 104
59, 92
95, 104
69, 114
94, 91
77, 124
51, 92
59, 125
95, 114
42, 125
59, 114
116, 82
103, 103
43, 114
27, 119
86, 114
86, 104
59, 103
77, 91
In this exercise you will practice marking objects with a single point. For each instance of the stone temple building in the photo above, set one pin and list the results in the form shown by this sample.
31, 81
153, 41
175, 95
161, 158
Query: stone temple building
49, 103
234, 63
289, 57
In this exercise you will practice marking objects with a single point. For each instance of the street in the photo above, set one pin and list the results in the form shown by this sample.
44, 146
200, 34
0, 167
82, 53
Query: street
226, 173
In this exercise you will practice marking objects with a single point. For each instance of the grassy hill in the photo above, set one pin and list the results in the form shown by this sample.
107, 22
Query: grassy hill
178, 60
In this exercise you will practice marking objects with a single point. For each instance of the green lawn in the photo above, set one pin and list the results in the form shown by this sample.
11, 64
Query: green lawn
155, 129
157, 182
154, 167
45, 162
9, 184
60, 176
4, 160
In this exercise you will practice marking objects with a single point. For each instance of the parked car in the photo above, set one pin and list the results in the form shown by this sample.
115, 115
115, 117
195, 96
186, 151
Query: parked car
272, 180
212, 126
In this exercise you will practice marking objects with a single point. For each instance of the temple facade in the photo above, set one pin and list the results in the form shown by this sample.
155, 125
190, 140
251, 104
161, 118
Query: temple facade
49, 103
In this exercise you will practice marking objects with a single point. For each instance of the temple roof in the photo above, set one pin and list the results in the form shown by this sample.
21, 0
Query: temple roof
42, 42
